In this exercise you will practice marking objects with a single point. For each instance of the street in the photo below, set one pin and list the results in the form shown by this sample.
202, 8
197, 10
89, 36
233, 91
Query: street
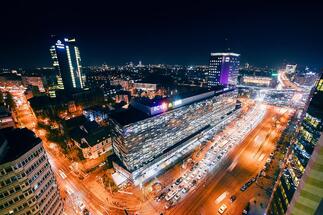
243, 162
248, 164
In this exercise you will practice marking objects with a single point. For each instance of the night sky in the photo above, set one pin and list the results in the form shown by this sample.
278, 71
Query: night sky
117, 32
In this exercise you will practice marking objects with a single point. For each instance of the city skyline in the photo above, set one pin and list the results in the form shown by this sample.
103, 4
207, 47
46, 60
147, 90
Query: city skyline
161, 108
164, 33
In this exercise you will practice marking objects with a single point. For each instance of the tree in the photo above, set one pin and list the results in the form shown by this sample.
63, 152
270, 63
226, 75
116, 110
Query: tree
1, 98
109, 183
9, 101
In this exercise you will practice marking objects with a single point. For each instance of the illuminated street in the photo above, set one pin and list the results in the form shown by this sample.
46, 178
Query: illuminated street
250, 157
218, 181
76, 187
168, 108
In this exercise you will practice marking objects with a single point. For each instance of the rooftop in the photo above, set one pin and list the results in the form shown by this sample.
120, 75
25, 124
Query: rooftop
91, 131
16, 142
131, 115
180, 93
128, 116
225, 54
74, 122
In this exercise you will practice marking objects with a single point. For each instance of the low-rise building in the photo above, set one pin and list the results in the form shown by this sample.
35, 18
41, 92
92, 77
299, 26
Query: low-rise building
36, 81
6, 119
93, 139
154, 134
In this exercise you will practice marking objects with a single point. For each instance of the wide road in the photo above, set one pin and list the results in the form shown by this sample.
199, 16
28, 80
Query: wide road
98, 202
286, 83
58, 162
249, 156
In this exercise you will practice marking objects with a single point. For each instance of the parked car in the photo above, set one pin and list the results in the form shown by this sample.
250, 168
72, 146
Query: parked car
243, 188
222, 209
233, 198
179, 180
86, 212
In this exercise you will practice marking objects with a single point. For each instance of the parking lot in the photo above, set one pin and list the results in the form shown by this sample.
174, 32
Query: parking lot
219, 148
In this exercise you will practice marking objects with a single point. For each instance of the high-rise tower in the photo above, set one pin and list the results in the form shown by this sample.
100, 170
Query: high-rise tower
299, 189
27, 182
223, 69
67, 61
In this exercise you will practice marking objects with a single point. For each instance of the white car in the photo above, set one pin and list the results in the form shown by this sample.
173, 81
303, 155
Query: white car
222, 209
62, 174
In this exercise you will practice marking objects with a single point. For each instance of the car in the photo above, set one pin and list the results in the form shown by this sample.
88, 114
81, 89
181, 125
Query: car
246, 209
179, 180
62, 174
222, 209
160, 197
233, 198
177, 197
243, 188
194, 182
86, 212
184, 190
167, 206
82, 206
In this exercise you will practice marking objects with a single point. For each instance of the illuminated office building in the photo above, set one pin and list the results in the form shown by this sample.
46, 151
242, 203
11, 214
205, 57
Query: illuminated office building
153, 135
299, 190
67, 62
291, 68
27, 182
223, 69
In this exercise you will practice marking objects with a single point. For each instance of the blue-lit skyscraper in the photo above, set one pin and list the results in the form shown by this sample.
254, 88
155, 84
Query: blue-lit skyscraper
67, 61
223, 69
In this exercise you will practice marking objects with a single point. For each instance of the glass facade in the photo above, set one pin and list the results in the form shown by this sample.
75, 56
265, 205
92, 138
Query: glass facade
27, 182
67, 61
223, 69
143, 143
302, 150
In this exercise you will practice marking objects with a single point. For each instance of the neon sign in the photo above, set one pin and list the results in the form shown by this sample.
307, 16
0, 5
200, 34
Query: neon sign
178, 102
59, 44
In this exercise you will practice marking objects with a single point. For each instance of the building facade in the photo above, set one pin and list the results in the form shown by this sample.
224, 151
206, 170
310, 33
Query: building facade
299, 190
92, 139
147, 140
67, 61
36, 81
223, 69
291, 68
6, 120
27, 182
